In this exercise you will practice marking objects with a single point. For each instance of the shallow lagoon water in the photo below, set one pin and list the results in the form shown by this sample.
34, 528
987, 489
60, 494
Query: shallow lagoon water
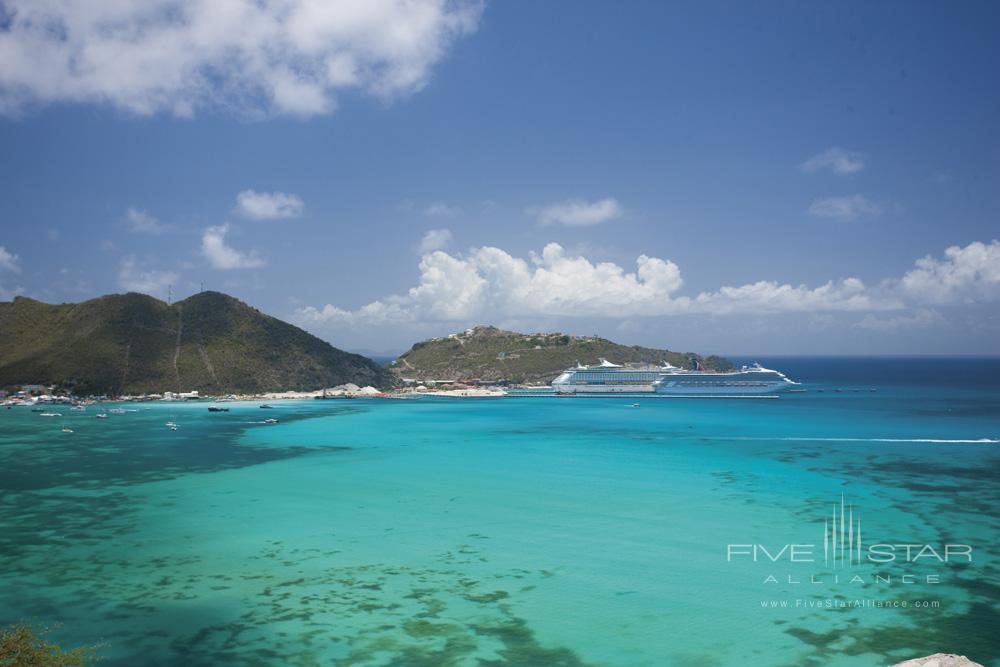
528, 531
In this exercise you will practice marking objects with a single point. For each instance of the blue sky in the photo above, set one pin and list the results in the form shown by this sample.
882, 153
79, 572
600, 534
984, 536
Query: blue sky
722, 177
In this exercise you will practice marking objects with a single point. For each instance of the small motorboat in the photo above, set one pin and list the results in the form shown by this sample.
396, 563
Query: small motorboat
216, 408
266, 406
170, 425
270, 421
101, 415
78, 408
117, 411
51, 414
66, 429
635, 405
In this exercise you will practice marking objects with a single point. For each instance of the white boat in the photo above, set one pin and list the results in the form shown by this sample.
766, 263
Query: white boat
50, 414
101, 415
78, 408
67, 429
117, 411
270, 421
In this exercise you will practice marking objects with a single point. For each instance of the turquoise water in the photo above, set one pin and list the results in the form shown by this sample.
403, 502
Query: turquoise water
529, 531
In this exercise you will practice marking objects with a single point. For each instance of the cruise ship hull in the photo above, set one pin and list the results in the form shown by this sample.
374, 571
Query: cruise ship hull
763, 388
604, 389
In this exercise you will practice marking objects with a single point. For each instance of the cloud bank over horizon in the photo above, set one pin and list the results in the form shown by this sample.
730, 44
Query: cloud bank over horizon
487, 283
560, 289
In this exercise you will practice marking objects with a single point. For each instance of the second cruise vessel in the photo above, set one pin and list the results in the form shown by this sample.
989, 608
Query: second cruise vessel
609, 378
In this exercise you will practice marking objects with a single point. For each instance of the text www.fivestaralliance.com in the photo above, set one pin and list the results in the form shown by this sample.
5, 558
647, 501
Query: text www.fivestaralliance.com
853, 603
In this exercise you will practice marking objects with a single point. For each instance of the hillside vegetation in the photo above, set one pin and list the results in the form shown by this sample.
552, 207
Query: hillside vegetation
488, 353
134, 343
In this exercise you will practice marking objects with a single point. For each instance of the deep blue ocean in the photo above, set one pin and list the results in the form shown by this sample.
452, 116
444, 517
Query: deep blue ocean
902, 371
521, 531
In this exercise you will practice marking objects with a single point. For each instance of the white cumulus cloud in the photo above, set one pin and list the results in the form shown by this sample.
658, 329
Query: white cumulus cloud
132, 278
9, 261
964, 274
222, 256
847, 208
578, 212
252, 57
434, 239
268, 205
837, 160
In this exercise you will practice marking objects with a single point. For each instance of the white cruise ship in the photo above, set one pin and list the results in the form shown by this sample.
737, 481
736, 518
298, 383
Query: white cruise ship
609, 378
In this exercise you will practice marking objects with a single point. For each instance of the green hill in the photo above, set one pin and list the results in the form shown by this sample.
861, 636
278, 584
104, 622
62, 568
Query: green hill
134, 343
488, 353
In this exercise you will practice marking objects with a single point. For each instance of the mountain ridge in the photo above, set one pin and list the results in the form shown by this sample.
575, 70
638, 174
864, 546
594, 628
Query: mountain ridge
135, 343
